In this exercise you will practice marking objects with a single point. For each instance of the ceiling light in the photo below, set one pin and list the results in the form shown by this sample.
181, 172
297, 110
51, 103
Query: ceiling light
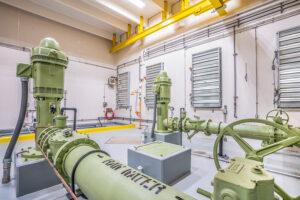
119, 10
138, 3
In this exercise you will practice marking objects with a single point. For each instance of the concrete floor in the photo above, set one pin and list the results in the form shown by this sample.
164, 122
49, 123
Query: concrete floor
202, 172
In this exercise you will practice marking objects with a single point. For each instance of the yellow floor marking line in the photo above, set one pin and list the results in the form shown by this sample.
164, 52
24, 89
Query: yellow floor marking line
109, 128
6, 139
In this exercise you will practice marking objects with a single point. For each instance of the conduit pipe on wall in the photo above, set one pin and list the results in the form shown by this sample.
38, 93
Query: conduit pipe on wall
274, 69
184, 65
235, 74
256, 75
140, 67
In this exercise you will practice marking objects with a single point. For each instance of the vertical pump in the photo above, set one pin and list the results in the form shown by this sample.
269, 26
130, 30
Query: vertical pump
47, 69
161, 88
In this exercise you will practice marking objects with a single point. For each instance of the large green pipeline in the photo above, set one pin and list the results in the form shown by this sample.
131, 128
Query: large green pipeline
98, 175
101, 177
267, 134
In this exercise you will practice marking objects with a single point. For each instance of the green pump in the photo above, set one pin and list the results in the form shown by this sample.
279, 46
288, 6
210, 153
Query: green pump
47, 69
244, 178
162, 88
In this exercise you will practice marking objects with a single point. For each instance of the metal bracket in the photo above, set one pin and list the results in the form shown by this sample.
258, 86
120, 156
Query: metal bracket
220, 8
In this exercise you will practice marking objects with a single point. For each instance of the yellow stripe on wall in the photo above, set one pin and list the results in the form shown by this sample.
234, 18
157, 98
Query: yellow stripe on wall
83, 131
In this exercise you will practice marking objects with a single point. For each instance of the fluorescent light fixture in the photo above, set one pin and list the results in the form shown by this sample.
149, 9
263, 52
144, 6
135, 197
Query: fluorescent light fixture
119, 10
138, 3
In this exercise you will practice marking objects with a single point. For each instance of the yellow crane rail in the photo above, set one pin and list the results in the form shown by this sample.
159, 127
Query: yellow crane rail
196, 9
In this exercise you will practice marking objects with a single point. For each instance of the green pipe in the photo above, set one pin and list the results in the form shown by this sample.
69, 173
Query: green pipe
204, 193
101, 177
97, 175
162, 86
265, 133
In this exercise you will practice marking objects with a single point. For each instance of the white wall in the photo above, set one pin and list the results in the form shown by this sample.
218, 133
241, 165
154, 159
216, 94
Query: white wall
10, 86
83, 82
177, 65
85, 89
180, 74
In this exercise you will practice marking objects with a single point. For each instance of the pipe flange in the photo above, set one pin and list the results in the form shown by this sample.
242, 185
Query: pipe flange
206, 130
271, 139
175, 122
44, 142
185, 128
68, 147
44, 133
272, 136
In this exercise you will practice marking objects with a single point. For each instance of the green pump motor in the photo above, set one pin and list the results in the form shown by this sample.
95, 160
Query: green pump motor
47, 69
162, 87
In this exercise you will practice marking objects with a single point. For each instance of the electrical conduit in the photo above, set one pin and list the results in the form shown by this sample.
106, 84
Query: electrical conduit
7, 157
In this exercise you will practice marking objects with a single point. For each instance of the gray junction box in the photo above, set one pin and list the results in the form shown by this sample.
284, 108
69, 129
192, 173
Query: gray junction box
163, 161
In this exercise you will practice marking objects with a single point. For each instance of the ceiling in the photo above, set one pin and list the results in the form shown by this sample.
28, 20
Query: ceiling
98, 17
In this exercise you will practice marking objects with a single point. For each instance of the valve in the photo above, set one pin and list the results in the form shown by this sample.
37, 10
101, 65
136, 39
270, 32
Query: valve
278, 116
252, 165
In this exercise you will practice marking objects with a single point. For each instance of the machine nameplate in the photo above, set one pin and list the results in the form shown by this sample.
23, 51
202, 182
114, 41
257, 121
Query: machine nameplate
236, 167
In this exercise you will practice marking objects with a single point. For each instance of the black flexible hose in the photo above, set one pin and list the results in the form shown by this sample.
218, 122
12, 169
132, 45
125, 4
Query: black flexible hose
221, 141
8, 154
180, 122
75, 115
154, 116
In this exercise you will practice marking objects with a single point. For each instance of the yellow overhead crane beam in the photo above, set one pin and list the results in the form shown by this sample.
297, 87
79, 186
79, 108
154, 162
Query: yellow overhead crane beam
186, 10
